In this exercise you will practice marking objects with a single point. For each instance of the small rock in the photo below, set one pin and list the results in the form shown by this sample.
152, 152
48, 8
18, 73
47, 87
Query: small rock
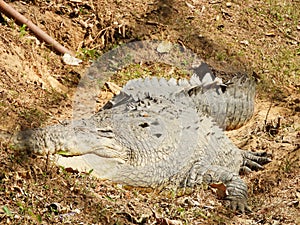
245, 42
17, 217
228, 4
70, 60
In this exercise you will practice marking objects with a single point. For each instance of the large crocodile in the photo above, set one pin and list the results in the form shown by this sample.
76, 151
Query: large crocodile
159, 132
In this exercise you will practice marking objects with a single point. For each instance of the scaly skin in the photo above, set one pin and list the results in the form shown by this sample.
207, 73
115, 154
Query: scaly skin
231, 104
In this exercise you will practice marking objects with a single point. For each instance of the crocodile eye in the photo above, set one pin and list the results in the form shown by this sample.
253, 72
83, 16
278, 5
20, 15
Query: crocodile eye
143, 125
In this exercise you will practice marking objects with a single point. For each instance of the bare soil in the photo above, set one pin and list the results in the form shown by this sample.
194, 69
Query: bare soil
36, 89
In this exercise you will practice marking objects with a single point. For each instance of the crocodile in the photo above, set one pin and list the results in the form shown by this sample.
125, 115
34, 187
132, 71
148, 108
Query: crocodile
162, 132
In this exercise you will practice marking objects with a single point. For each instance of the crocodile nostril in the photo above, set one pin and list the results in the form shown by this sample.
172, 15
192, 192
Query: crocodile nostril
143, 125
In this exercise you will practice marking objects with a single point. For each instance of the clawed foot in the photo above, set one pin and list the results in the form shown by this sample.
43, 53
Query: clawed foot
238, 204
254, 161
237, 194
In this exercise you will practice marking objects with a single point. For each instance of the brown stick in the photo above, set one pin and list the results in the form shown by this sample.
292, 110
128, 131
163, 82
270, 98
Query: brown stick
11, 12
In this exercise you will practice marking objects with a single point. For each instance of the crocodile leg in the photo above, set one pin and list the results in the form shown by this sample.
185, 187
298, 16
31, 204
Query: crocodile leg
236, 189
254, 161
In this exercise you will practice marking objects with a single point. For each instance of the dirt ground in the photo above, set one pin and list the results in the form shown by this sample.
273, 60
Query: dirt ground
36, 89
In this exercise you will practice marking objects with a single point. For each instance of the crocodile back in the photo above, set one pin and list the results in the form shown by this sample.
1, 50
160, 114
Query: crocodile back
161, 140
230, 104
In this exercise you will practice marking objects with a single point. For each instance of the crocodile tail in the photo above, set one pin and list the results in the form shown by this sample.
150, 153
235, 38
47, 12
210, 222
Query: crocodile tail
239, 99
230, 104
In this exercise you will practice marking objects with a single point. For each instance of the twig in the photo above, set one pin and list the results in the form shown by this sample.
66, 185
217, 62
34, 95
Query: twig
266, 118
11, 12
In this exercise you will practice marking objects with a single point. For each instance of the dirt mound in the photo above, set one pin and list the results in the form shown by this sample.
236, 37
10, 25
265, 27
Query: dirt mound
36, 89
